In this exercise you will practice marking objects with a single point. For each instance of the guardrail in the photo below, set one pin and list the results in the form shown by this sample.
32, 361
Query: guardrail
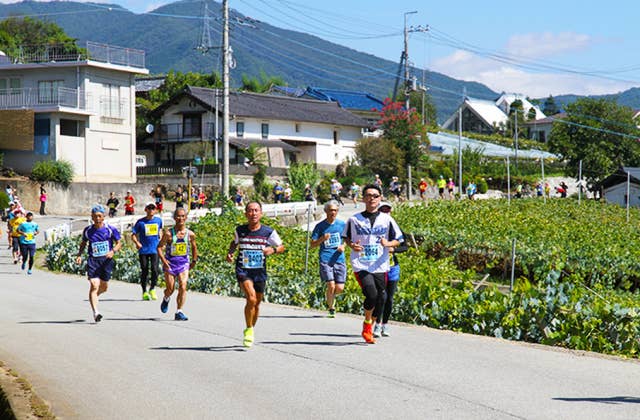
126, 223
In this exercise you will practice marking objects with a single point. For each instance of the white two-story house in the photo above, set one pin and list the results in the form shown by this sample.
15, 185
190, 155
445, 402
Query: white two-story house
288, 129
74, 107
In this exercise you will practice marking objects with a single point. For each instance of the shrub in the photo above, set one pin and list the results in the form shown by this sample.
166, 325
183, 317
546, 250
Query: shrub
58, 172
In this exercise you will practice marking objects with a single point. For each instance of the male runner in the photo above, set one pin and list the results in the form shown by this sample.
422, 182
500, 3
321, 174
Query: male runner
178, 251
129, 204
146, 235
104, 242
256, 242
333, 271
112, 204
28, 231
370, 234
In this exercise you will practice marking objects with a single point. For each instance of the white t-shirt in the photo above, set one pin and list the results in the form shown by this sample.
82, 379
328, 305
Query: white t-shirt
374, 258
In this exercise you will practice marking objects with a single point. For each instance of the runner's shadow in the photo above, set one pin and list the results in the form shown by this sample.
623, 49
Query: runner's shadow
604, 400
220, 348
15, 273
117, 300
133, 319
72, 321
318, 343
291, 316
325, 335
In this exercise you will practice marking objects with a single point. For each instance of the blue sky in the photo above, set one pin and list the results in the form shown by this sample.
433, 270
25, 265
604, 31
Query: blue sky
536, 48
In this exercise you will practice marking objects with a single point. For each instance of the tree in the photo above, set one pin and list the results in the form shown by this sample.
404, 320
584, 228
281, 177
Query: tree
260, 84
598, 132
403, 129
550, 108
381, 156
429, 114
516, 109
17, 32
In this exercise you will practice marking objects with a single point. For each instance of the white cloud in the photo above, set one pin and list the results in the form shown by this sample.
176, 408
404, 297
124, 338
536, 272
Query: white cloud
506, 77
547, 44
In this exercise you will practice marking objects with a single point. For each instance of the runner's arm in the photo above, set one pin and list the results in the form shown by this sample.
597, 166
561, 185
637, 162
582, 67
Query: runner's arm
194, 250
161, 247
83, 243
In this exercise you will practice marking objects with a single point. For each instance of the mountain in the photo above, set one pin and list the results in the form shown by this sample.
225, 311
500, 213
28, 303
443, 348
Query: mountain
630, 98
169, 37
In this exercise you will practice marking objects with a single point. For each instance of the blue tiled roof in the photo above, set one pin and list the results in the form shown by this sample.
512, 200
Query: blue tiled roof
347, 99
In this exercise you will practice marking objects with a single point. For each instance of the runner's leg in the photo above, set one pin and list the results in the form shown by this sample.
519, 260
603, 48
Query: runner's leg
144, 270
182, 288
251, 302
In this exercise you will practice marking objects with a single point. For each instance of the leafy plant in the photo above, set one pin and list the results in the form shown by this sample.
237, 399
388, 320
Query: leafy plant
58, 172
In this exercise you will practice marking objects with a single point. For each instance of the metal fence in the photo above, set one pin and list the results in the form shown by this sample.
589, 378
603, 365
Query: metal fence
34, 98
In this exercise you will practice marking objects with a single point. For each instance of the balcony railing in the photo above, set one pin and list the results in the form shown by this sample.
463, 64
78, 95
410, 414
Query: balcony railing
91, 51
177, 133
33, 98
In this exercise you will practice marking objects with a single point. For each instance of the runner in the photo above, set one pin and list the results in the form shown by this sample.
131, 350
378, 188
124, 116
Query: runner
104, 242
146, 235
17, 219
278, 192
450, 187
384, 308
441, 185
333, 271
336, 188
129, 204
370, 234
178, 258
158, 198
28, 231
256, 242
179, 198
354, 192
422, 186
112, 204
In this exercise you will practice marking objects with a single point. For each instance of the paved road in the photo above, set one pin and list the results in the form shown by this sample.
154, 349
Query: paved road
138, 363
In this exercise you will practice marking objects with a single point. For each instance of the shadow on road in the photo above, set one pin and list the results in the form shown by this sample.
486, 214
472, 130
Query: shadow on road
604, 400
325, 335
220, 348
134, 319
71, 321
291, 316
117, 300
318, 343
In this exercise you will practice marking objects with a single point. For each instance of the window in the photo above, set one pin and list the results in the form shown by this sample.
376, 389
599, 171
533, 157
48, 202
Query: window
72, 128
11, 84
110, 104
48, 91
335, 137
265, 130
192, 124
240, 129
297, 128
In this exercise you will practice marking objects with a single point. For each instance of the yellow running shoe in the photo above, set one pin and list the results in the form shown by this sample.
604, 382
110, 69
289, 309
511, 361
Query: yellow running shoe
152, 294
145, 296
248, 337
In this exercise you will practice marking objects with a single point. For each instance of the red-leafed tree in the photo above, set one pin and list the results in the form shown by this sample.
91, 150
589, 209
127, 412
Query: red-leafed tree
404, 128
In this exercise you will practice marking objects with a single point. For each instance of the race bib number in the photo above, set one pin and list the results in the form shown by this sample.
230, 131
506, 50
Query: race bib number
151, 229
28, 236
334, 241
112, 206
100, 249
369, 253
252, 258
179, 249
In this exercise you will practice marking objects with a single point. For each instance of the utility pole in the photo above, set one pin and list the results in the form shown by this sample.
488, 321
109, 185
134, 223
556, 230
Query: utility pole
464, 97
515, 116
225, 98
407, 90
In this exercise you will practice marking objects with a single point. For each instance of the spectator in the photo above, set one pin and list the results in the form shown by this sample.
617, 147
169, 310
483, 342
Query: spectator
288, 192
308, 193
471, 190
278, 192
43, 200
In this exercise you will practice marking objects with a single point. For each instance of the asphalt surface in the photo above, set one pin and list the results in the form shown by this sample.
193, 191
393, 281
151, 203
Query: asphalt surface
139, 363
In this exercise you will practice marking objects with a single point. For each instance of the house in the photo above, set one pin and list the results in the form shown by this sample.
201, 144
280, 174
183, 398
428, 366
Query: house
486, 116
79, 108
614, 187
289, 129
540, 130
146, 84
362, 104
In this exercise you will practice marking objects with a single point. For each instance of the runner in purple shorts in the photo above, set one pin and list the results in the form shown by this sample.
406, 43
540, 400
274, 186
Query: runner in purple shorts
104, 241
178, 252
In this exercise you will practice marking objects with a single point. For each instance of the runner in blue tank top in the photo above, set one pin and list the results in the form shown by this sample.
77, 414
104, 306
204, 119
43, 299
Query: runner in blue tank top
28, 231
256, 242
104, 242
178, 252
